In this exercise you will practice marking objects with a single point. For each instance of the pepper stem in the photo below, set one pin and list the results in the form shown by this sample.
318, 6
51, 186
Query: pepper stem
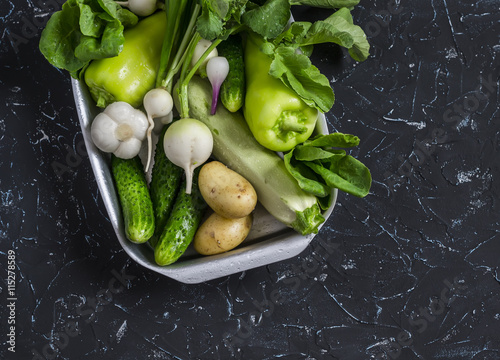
289, 122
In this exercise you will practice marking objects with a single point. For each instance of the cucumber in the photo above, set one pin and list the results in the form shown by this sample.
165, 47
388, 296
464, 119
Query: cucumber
232, 93
166, 179
135, 201
182, 224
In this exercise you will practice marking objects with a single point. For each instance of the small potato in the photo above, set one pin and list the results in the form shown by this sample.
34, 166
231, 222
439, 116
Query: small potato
228, 193
219, 234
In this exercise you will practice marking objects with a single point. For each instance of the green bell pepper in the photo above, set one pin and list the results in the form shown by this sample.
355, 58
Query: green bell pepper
132, 73
278, 118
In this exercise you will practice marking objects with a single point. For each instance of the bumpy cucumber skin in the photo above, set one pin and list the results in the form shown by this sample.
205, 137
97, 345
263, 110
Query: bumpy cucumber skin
232, 93
181, 225
166, 178
136, 204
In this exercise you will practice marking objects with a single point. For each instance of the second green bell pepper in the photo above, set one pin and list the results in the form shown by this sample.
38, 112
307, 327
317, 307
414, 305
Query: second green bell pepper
132, 73
278, 118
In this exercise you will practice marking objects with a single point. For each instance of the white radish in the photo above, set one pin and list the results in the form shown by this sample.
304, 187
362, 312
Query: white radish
162, 121
198, 52
188, 143
140, 7
157, 103
217, 70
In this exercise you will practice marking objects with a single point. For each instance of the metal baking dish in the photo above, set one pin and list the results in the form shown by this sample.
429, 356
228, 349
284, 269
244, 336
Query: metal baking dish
269, 240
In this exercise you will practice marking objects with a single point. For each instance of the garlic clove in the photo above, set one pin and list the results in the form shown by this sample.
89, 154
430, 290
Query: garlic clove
128, 149
100, 131
139, 125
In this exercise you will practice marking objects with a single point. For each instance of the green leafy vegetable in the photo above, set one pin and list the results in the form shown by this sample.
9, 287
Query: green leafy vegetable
91, 48
329, 4
82, 31
210, 23
318, 168
333, 140
293, 67
310, 153
306, 183
268, 20
342, 20
296, 71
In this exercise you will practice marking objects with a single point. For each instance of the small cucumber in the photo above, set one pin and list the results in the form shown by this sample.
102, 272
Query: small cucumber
182, 224
232, 93
135, 200
166, 179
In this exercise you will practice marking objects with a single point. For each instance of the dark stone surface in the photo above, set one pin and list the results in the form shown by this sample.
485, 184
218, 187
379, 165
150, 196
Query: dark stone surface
410, 272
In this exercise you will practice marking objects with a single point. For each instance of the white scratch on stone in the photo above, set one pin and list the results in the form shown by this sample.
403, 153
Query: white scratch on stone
121, 331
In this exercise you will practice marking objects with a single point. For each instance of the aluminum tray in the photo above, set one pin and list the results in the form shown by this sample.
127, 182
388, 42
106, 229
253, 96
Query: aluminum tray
269, 240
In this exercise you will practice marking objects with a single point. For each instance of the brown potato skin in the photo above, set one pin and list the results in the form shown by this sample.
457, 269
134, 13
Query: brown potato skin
219, 234
228, 193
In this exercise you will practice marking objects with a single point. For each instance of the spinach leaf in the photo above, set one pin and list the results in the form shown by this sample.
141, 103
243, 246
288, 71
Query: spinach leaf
305, 178
90, 22
338, 140
318, 168
329, 4
110, 42
82, 31
310, 153
351, 176
58, 39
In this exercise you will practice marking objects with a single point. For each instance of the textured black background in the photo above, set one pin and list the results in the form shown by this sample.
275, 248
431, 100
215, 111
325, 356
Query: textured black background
410, 272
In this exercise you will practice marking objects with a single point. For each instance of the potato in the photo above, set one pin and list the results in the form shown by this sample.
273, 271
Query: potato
228, 193
219, 234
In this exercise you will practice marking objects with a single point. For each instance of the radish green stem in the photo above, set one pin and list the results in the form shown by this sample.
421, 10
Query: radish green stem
175, 10
184, 79
181, 53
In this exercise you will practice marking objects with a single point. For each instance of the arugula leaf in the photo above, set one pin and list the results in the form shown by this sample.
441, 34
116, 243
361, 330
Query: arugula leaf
219, 18
220, 7
209, 24
238, 8
268, 20
296, 71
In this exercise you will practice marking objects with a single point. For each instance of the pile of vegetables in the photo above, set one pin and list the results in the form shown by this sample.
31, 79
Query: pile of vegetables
245, 94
